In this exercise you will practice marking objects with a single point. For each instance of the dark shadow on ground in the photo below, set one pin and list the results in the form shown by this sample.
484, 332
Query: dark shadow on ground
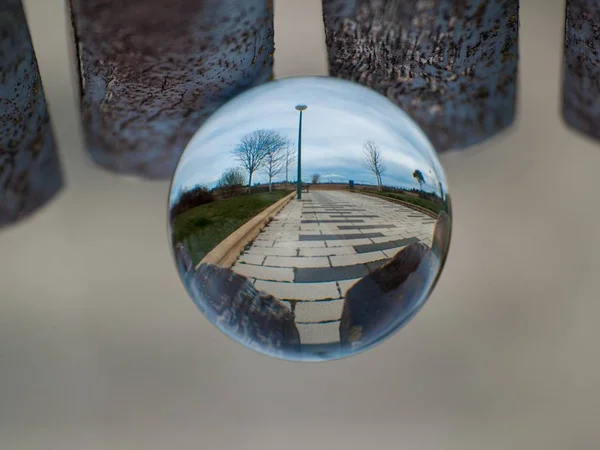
231, 302
375, 306
384, 300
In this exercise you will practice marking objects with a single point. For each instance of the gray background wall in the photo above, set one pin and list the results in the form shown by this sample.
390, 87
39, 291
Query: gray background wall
101, 348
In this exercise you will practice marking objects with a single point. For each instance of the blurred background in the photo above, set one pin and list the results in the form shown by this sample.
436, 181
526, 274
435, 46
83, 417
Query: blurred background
100, 346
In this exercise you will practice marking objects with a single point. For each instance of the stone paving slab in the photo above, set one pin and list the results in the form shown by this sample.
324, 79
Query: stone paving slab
375, 265
367, 248
297, 261
393, 232
362, 258
329, 221
272, 251
315, 312
365, 227
252, 259
326, 213
392, 252
265, 273
393, 237
346, 284
270, 238
335, 226
260, 243
275, 235
331, 205
327, 251
299, 244
319, 333
353, 217
331, 210
321, 274
316, 249
309, 291
325, 231
348, 242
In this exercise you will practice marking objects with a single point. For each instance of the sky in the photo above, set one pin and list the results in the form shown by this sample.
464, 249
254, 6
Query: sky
341, 116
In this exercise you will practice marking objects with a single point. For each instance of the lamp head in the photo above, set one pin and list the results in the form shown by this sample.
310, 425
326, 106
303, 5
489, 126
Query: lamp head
301, 107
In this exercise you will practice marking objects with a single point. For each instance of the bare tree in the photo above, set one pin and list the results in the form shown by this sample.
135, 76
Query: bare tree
255, 149
275, 162
315, 178
373, 161
231, 181
290, 158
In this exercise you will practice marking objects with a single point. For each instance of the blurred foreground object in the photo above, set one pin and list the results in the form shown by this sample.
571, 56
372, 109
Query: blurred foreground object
151, 72
452, 66
391, 293
581, 90
30, 172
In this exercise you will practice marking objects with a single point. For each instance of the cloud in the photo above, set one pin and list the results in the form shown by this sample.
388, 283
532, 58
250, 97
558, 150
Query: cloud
340, 117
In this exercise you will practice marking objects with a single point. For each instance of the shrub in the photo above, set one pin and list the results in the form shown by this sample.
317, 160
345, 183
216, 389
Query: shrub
232, 182
199, 195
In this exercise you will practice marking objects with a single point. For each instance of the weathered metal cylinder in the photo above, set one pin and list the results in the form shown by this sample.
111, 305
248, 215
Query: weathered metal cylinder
151, 72
30, 172
582, 67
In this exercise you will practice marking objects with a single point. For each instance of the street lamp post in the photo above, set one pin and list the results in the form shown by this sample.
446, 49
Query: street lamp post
300, 108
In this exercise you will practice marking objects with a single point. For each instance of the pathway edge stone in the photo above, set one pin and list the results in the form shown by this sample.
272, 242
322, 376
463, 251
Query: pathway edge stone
226, 253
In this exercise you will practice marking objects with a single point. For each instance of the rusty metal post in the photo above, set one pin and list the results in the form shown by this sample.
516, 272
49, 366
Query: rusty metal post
582, 67
30, 172
152, 71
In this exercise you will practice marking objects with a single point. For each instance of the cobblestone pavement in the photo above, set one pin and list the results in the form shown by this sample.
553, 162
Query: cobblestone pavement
315, 249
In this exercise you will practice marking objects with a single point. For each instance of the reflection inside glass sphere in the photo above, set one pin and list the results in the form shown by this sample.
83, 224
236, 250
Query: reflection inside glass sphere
309, 218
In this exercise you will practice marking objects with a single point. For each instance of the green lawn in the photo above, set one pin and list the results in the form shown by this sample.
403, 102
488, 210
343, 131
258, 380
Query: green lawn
427, 204
202, 228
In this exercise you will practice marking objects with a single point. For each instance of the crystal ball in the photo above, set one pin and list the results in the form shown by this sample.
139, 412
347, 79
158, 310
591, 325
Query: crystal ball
309, 218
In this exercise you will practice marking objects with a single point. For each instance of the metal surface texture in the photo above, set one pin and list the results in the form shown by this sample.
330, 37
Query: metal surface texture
151, 72
582, 67
451, 64
30, 173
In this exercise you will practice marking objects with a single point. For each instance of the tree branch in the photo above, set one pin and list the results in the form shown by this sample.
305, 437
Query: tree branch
152, 71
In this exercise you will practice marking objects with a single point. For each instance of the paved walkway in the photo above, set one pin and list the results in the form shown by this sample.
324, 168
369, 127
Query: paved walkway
314, 250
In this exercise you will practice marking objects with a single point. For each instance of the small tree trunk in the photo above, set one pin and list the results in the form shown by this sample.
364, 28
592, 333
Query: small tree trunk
152, 71
582, 67
450, 64
250, 183
30, 172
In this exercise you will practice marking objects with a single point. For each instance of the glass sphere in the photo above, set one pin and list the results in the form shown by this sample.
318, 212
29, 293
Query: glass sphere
309, 218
